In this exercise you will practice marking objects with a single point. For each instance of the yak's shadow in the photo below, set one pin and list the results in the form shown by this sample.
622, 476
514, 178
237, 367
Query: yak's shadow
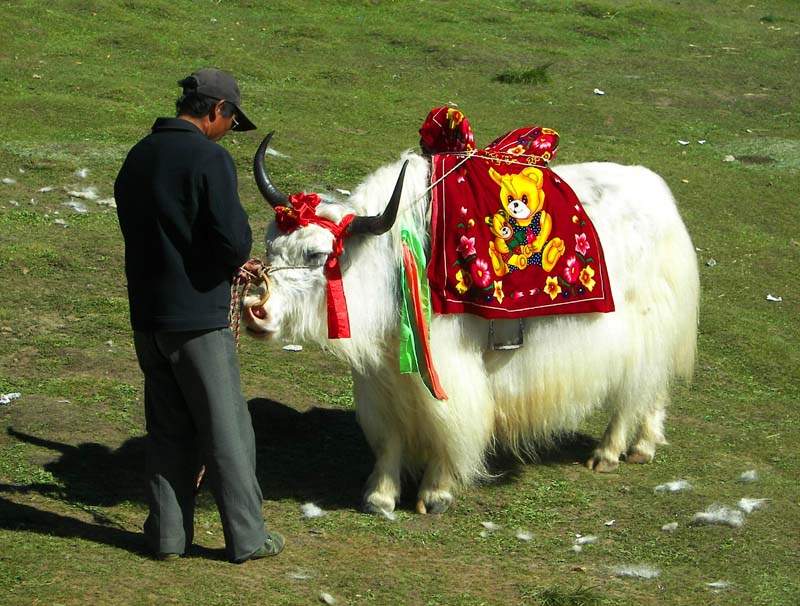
564, 449
318, 455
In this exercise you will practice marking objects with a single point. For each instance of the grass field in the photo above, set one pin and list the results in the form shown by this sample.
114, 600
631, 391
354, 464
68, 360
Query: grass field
347, 85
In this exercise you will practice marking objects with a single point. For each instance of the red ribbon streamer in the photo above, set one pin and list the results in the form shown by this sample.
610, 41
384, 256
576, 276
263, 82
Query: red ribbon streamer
338, 319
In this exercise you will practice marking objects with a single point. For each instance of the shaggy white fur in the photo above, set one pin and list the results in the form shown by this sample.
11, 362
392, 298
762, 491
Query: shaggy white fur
512, 400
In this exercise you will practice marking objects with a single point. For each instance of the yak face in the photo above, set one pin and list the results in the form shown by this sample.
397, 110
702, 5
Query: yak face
295, 284
294, 304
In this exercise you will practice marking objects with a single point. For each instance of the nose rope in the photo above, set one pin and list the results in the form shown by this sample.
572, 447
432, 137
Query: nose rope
243, 280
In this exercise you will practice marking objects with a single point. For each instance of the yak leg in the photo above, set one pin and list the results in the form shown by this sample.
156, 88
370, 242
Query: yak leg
373, 409
615, 439
382, 490
649, 423
649, 433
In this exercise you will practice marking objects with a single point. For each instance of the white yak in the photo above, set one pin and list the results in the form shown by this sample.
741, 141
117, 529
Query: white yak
568, 366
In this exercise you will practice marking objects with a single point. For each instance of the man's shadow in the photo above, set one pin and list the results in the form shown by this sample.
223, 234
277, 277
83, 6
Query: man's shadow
318, 455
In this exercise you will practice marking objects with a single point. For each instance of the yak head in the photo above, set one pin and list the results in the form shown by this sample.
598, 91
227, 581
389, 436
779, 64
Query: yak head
307, 249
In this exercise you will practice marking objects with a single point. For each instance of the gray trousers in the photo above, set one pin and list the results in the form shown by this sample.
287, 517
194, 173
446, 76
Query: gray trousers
196, 413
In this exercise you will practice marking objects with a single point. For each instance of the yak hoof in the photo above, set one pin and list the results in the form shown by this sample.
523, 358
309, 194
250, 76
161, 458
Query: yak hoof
602, 464
638, 457
376, 505
437, 502
374, 510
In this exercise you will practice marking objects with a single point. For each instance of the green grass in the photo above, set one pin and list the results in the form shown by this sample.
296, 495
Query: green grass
346, 84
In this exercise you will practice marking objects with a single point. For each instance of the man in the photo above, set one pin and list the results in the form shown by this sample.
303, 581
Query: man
186, 234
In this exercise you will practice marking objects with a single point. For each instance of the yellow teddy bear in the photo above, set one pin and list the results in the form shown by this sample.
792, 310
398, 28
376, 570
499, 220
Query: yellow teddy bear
522, 197
498, 247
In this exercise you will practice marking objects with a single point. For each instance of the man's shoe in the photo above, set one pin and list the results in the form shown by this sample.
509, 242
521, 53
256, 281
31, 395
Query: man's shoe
167, 557
271, 547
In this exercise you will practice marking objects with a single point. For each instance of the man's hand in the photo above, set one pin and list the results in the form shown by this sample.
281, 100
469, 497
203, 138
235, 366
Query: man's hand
254, 266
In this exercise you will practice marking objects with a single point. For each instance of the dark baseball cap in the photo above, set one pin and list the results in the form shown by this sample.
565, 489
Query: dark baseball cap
218, 84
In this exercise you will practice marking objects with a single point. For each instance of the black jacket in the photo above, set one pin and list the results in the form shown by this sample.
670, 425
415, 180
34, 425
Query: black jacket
185, 230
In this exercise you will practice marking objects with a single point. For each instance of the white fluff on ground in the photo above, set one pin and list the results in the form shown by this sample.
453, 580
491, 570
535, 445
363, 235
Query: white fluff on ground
675, 486
718, 515
748, 476
311, 511
719, 585
76, 206
90, 193
750, 505
671, 527
640, 571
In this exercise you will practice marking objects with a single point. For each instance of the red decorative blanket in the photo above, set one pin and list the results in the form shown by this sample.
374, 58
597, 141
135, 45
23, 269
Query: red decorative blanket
510, 239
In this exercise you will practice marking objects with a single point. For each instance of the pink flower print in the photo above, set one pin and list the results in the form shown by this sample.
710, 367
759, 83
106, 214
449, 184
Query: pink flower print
581, 243
467, 247
572, 270
464, 211
480, 273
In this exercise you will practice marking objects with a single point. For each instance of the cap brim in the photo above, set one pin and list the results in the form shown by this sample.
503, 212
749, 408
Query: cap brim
244, 122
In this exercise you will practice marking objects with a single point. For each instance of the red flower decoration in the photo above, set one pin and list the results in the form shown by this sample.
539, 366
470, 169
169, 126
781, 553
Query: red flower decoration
304, 208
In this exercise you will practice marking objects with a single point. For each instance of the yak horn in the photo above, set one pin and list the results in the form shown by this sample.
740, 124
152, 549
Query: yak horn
378, 224
271, 194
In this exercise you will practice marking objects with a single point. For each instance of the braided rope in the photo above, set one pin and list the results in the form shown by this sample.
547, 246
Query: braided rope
241, 283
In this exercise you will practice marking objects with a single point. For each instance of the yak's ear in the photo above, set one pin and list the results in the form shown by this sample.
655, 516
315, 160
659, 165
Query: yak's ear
378, 224
271, 194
